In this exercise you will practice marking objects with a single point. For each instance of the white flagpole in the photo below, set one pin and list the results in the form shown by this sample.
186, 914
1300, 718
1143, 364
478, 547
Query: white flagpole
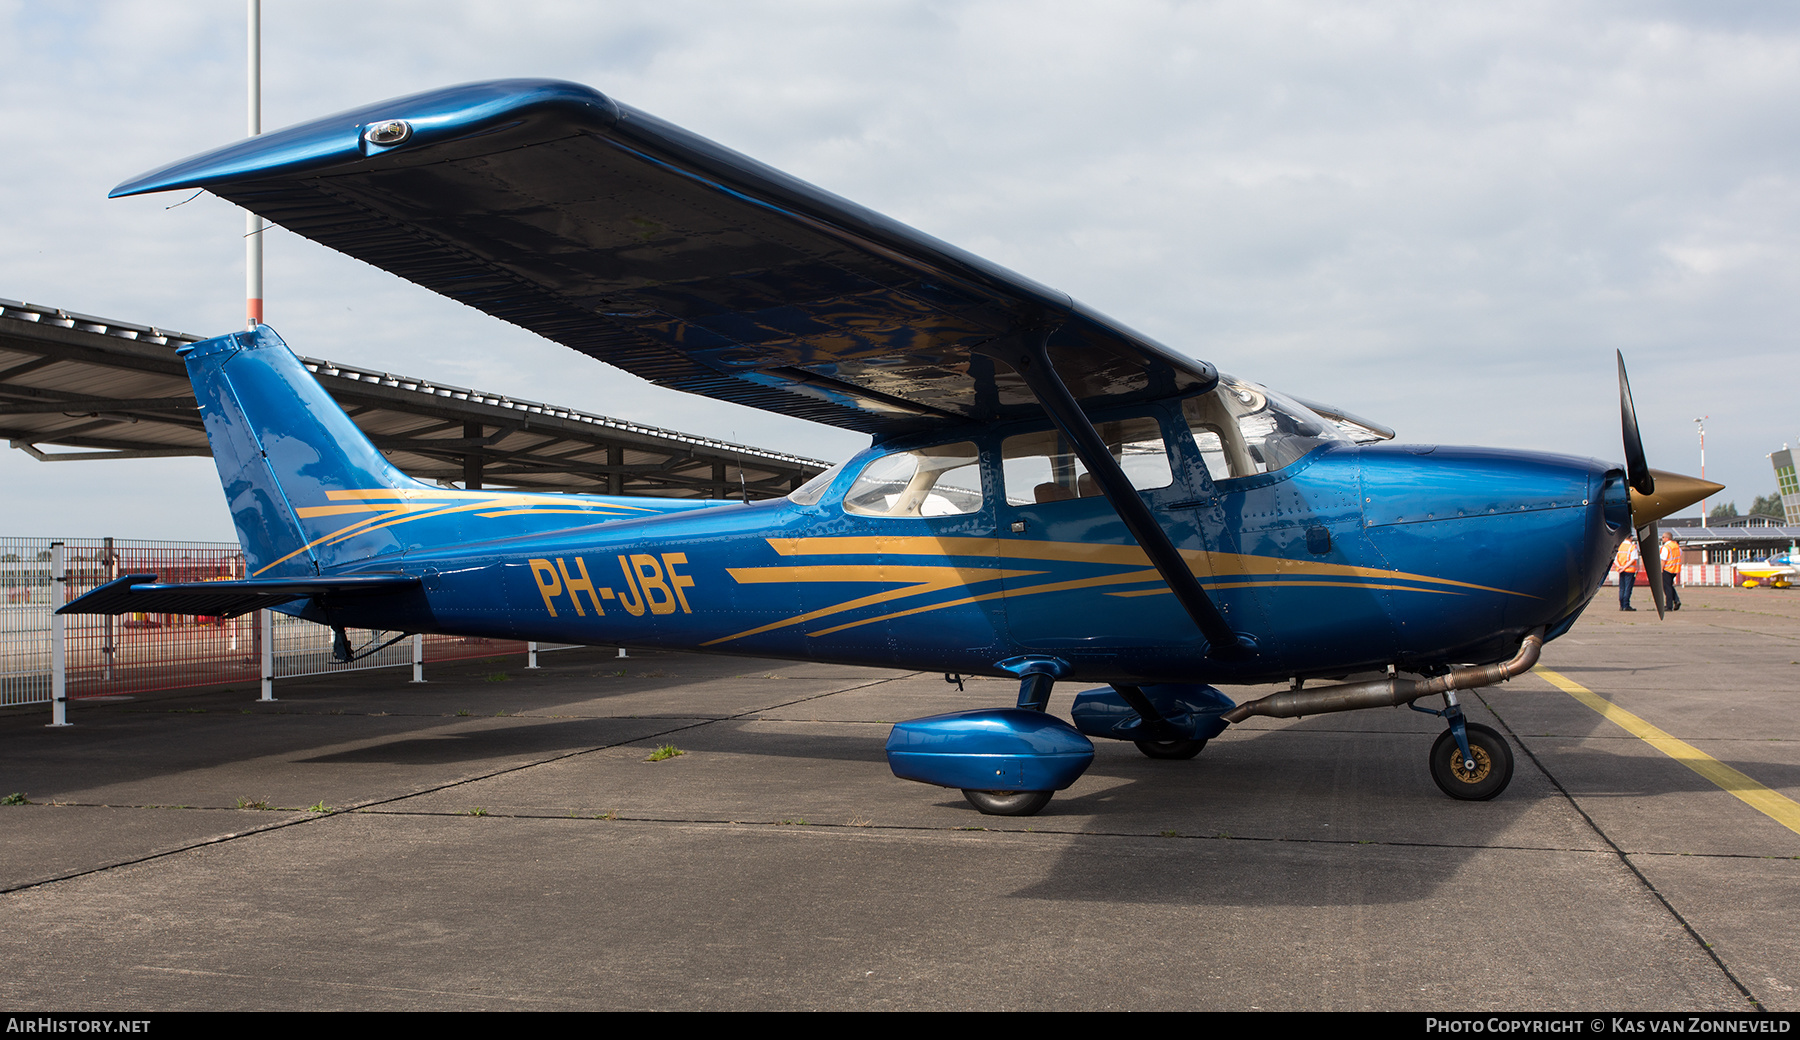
253, 224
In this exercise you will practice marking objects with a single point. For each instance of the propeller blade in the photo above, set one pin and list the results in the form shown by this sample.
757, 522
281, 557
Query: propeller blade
1637, 468
1654, 494
1651, 553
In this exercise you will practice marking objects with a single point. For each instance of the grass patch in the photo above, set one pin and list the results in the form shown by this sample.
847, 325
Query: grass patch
319, 807
664, 753
497, 677
463, 711
16, 798
478, 811
246, 803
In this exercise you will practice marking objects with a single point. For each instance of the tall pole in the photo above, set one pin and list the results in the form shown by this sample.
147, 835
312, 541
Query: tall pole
1701, 423
253, 224
59, 673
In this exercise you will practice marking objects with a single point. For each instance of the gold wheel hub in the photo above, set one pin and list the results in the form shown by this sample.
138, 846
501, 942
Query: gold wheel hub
1483, 765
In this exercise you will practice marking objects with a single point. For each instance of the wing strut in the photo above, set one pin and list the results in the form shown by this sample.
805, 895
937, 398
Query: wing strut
1031, 359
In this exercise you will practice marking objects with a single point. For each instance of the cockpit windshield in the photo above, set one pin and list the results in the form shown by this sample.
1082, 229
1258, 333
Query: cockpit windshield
1244, 429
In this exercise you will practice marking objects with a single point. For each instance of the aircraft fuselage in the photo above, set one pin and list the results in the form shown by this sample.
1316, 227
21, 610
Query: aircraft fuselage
1352, 558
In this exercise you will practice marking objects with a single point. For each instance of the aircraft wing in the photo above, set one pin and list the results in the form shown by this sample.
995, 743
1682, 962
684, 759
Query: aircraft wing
638, 243
139, 593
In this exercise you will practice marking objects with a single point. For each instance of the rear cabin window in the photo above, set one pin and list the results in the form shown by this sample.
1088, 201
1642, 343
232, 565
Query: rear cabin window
943, 480
809, 493
1042, 467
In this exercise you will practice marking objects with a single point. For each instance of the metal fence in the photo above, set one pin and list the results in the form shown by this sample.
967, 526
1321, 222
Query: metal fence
1696, 574
134, 653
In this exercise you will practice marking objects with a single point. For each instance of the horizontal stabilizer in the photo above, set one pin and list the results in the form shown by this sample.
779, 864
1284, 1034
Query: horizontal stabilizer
140, 594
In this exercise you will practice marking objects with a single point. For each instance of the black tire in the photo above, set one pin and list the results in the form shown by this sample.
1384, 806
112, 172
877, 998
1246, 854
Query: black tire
1170, 750
1493, 764
1009, 803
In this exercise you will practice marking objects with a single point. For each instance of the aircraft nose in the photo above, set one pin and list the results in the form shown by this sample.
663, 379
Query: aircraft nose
1534, 532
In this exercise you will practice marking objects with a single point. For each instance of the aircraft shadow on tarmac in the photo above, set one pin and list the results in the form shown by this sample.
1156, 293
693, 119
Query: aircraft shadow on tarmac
1330, 810
1323, 764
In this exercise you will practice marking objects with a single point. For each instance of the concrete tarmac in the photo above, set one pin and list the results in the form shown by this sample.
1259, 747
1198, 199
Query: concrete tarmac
495, 839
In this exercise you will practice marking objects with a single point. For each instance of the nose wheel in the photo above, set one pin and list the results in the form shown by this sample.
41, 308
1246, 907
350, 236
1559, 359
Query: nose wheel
1492, 769
1469, 762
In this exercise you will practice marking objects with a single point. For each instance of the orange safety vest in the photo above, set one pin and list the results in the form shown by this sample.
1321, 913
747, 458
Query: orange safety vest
1671, 557
1627, 558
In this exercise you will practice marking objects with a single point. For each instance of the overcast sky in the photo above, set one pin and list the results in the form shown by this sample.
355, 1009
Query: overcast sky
1442, 216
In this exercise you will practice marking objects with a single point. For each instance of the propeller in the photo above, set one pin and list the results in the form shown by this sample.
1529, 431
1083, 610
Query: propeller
1654, 493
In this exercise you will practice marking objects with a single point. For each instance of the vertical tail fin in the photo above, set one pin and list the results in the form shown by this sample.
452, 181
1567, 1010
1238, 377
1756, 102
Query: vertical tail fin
297, 472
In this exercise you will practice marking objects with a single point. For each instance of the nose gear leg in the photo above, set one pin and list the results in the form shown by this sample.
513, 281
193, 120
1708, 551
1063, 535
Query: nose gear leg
1458, 723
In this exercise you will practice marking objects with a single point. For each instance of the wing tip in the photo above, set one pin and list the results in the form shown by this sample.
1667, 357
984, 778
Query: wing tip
435, 116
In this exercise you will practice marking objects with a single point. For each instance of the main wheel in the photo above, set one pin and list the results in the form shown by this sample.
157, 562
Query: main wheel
1493, 764
1009, 803
1173, 750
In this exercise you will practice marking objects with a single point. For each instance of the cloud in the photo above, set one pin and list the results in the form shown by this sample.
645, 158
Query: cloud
1446, 217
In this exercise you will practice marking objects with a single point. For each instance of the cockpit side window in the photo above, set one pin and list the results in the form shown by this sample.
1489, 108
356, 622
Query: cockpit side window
942, 480
1043, 467
1243, 429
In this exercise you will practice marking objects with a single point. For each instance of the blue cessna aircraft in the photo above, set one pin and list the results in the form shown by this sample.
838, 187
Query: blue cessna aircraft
1048, 495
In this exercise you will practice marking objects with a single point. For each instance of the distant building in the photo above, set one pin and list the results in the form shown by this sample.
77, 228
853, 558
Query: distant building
1787, 485
1735, 539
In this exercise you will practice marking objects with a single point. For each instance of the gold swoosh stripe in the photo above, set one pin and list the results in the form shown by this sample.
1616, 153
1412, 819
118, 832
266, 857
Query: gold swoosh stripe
393, 506
1226, 571
451, 494
1204, 564
921, 581
1055, 586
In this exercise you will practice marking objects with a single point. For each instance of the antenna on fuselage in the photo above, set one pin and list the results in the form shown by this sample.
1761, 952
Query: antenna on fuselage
743, 484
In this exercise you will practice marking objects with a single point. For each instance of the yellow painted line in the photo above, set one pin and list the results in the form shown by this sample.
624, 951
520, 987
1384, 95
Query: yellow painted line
1775, 806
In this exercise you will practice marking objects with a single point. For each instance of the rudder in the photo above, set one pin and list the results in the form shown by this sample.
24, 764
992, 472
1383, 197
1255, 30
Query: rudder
283, 447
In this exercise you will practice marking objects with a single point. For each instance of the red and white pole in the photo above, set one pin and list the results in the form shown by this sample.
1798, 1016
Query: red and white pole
1701, 423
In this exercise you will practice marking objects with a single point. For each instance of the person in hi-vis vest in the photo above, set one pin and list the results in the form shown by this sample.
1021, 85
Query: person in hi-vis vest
1671, 571
1629, 564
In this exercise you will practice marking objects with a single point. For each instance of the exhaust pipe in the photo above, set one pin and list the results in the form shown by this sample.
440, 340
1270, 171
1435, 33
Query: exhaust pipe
1385, 693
